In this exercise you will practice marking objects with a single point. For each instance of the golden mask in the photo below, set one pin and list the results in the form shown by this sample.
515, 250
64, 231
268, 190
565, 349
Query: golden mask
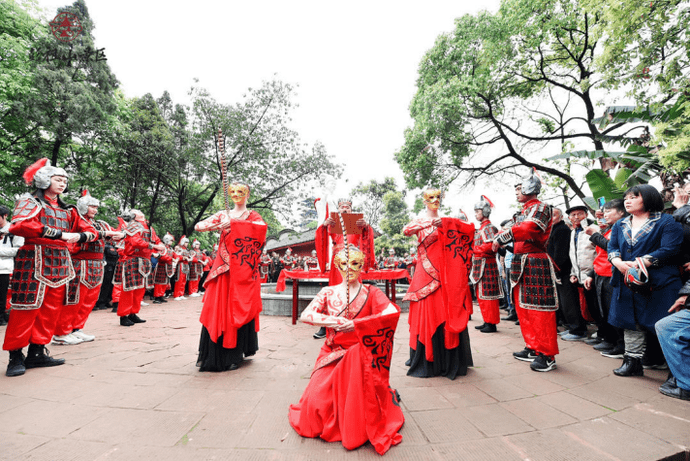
355, 263
432, 198
238, 192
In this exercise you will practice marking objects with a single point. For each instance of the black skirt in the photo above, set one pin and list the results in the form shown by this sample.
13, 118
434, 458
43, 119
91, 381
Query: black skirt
447, 362
214, 357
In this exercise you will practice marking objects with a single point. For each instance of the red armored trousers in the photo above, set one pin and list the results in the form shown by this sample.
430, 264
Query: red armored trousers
35, 326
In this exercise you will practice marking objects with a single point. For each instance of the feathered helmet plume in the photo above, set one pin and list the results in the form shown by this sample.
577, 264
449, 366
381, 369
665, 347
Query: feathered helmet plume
41, 172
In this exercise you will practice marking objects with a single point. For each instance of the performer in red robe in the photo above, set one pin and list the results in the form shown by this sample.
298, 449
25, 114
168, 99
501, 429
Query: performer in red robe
184, 258
196, 269
140, 241
363, 241
485, 277
42, 267
533, 277
232, 301
439, 295
326, 238
348, 397
165, 269
89, 267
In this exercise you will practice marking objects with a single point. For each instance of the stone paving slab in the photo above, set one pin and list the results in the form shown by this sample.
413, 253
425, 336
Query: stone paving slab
136, 394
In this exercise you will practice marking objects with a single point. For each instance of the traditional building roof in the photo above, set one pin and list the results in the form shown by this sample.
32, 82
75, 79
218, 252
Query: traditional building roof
289, 237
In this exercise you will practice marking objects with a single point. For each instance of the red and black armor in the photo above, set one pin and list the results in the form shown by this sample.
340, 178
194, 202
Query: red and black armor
485, 275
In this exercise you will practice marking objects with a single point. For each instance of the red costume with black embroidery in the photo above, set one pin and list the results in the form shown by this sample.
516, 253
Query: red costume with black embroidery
232, 300
440, 298
42, 268
363, 241
163, 272
84, 288
484, 276
136, 266
348, 397
533, 277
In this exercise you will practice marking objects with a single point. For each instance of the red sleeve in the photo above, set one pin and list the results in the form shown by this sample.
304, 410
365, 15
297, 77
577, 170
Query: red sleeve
80, 224
27, 228
136, 241
154, 237
525, 230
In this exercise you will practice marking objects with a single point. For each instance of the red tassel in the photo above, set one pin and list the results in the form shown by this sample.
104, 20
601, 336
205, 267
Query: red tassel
31, 171
85, 193
489, 201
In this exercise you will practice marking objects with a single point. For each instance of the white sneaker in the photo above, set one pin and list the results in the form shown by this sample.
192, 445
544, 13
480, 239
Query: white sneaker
144, 304
66, 340
85, 337
180, 298
194, 295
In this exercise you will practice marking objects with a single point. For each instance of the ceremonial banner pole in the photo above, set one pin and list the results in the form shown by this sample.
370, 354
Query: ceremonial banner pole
223, 171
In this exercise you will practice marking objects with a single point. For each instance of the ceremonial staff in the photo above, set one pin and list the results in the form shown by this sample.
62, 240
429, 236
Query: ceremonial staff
223, 170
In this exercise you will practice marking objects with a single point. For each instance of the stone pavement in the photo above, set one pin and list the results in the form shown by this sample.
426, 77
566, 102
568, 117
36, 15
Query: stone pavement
135, 394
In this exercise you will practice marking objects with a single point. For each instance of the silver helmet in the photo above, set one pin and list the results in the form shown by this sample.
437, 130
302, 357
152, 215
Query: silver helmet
85, 201
485, 205
531, 184
41, 172
168, 239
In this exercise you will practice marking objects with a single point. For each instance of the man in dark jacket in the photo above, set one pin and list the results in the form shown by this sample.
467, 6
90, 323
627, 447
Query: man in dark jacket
559, 250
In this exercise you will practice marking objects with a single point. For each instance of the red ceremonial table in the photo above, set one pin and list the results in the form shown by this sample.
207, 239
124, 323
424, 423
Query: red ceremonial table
390, 276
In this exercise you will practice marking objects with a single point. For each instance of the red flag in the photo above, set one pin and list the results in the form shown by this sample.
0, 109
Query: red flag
456, 237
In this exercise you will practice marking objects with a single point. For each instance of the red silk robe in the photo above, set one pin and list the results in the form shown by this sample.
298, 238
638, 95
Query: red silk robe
233, 286
348, 397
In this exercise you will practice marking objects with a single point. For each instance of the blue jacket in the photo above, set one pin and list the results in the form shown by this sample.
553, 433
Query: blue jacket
660, 238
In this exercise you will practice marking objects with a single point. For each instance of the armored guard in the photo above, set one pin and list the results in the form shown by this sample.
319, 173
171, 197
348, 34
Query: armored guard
43, 266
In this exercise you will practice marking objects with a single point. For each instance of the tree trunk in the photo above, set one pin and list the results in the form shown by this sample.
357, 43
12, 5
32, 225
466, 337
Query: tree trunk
152, 208
56, 151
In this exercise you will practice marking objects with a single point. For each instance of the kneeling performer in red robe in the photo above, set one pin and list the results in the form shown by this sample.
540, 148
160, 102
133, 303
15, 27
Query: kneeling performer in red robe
348, 398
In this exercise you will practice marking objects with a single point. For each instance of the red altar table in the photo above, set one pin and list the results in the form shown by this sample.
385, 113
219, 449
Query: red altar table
390, 276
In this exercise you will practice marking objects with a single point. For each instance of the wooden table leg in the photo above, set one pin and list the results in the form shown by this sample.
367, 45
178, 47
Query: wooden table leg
393, 291
295, 300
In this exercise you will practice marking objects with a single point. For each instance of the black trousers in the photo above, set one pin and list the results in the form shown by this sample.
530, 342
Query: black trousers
4, 285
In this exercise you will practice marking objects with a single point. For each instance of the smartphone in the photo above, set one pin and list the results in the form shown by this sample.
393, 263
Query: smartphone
601, 201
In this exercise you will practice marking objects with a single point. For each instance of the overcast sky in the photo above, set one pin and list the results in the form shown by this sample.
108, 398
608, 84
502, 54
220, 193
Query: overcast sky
355, 63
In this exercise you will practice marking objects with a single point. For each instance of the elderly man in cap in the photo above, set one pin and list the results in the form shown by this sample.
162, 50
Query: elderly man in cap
582, 253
